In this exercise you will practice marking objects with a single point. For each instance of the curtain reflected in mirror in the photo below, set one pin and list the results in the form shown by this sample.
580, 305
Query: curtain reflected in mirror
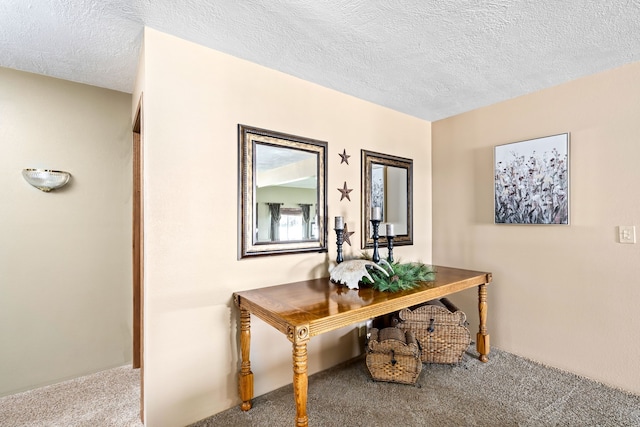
283, 198
387, 184
286, 188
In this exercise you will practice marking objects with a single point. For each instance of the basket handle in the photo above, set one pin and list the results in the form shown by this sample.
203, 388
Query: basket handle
431, 327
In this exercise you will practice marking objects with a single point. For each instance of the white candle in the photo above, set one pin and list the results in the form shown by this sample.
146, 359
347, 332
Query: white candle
390, 230
376, 214
339, 223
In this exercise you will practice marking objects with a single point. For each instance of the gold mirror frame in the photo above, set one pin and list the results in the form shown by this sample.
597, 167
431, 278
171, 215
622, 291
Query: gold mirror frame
368, 160
248, 244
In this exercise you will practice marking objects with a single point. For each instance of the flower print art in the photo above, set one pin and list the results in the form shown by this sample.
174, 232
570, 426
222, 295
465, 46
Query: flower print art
531, 181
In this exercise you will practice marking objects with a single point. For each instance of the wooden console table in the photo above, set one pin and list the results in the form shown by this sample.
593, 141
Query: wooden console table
308, 308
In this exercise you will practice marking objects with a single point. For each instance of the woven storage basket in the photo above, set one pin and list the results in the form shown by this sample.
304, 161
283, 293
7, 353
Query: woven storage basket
440, 329
393, 355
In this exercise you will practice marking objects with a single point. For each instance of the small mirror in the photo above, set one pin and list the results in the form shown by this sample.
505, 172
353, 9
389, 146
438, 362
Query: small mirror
387, 183
282, 206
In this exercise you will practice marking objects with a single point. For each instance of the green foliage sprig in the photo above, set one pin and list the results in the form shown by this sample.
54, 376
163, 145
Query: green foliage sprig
402, 276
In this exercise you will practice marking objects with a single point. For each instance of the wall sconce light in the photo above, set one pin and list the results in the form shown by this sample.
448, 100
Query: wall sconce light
46, 180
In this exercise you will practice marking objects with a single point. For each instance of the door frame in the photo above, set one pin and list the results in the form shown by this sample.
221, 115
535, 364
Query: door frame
138, 251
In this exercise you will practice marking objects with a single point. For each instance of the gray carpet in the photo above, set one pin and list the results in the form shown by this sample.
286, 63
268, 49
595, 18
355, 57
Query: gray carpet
109, 398
506, 391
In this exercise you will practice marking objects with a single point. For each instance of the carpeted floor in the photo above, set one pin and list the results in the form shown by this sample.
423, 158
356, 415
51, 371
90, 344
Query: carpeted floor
506, 391
109, 398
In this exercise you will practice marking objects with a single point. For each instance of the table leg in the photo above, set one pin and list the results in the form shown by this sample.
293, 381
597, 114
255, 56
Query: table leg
245, 377
482, 338
300, 378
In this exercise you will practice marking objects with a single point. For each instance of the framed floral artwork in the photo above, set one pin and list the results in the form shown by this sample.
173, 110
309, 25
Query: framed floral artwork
531, 181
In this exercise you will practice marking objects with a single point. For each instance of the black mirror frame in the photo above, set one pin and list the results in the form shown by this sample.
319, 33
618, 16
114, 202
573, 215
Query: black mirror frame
247, 247
366, 161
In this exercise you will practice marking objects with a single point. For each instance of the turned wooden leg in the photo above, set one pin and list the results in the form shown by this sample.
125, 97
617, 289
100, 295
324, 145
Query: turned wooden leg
245, 377
482, 338
300, 378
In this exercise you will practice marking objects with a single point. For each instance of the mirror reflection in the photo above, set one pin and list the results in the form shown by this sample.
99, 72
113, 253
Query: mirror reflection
283, 199
387, 185
286, 194
389, 193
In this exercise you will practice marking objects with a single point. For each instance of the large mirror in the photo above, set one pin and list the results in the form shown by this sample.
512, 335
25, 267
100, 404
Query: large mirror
387, 184
282, 200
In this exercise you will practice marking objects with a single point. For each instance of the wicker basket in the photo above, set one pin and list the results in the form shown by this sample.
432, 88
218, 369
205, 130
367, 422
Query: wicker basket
393, 355
440, 329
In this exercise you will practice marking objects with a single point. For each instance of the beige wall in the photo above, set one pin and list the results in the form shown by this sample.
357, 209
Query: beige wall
65, 269
194, 99
563, 295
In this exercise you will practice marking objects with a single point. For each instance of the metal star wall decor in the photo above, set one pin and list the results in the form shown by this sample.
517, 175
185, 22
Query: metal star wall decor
346, 236
345, 192
344, 157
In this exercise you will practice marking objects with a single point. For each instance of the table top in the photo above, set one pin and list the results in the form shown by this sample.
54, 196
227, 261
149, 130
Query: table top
322, 305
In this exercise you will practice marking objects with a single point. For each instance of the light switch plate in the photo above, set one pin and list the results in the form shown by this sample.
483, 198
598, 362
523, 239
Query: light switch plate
627, 233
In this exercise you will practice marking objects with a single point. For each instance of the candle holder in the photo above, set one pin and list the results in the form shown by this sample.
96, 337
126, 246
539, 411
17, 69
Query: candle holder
376, 256
390, 249
339, 242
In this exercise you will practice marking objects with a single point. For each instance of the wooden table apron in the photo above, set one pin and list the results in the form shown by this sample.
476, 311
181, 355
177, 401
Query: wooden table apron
308, 308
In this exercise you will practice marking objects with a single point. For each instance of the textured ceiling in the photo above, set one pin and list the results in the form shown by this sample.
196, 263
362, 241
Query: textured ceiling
431, 59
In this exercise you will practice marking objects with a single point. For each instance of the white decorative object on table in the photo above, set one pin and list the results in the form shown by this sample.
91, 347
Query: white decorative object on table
351, 272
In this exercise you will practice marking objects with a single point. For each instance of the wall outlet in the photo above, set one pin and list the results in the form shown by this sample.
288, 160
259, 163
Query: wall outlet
627, 233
